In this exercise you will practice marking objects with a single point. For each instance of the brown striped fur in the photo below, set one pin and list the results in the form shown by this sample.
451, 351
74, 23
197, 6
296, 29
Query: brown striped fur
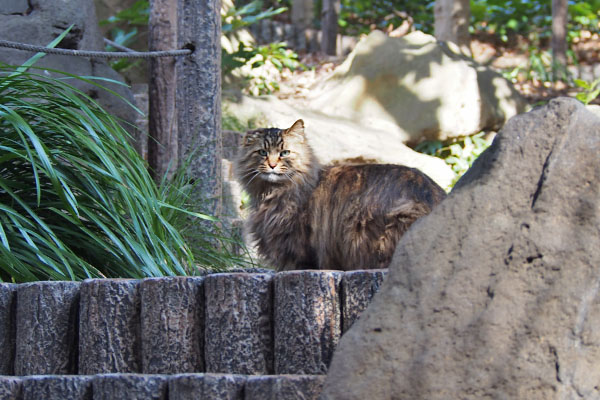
343, 217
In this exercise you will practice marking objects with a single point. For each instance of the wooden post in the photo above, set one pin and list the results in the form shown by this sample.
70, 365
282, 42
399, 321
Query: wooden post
560, 16
302, 13
162, 123
329, 26
452, 22
199, 98
185, 96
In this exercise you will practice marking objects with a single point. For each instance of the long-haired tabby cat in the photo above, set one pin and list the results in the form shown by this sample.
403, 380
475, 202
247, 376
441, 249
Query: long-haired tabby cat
343, 217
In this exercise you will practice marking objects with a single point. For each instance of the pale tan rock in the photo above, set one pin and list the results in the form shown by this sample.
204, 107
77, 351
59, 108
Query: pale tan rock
415, 87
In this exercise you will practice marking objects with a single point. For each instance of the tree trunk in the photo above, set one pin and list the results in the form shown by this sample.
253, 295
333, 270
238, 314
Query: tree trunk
185, 96
452, 22
559, 38
199, 100
329, 26
302, 13
162, 124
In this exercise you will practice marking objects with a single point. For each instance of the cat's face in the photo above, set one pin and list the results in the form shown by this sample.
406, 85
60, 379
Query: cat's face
272, 154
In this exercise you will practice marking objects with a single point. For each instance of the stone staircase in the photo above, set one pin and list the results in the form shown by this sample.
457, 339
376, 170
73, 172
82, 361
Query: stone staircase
242, 336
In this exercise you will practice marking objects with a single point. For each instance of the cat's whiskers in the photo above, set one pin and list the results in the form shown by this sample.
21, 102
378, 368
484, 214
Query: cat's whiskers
257, 173
289, 176
251, 172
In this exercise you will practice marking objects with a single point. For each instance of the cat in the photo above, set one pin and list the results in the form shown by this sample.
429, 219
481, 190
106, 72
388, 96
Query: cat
337, 217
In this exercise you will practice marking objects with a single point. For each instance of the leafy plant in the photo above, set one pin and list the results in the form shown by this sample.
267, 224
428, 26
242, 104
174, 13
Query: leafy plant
76, 200
361, 16
255, 56
238, 18
214, 245
124, 31
136, 14
459, 154
526, 16
261, 66
590, 90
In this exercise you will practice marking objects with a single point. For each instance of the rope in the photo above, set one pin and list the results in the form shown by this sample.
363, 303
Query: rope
117, 46
95, 54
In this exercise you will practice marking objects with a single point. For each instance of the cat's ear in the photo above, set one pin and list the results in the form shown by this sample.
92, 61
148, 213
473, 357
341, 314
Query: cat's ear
249, 138
296, 129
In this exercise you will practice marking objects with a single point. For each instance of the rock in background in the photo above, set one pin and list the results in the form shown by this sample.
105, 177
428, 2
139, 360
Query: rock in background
335, 139
415, 87
38, 22
496, 293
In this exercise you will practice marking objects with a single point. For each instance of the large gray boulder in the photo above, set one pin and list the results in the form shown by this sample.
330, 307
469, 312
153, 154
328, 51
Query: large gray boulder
415, 87
38, 22
496, 293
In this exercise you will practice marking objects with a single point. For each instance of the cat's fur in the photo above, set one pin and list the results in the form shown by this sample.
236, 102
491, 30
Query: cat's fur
343, 217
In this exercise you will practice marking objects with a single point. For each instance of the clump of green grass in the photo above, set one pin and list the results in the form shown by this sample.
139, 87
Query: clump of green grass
76, 200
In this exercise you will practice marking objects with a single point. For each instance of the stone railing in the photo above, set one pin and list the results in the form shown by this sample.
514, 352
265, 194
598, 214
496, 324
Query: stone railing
267, 331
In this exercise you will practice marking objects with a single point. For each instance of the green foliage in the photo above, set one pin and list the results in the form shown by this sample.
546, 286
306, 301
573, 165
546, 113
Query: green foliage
457, 153
137, 14
214, 246
255, 56
590, 90
278, 54
259, 81
248, 14
76, 200
124, 31
502, 17
275, 53
540, 67
531, 16
533, 19
359, 16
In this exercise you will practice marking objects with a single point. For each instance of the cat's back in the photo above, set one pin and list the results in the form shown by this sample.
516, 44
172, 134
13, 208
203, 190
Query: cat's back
377, 183
359, 212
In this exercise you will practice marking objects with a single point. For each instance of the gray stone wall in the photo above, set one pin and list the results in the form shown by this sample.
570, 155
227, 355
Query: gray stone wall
161, 387
231, 323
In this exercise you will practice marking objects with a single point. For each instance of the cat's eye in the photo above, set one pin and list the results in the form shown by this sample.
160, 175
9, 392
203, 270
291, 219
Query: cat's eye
263, 152
284, 153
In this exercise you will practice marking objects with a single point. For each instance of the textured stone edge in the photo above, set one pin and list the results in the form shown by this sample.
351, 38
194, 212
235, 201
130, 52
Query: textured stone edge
8, 327
88, 353
241, 305
157, 386
307, 320
47, 319
172, 324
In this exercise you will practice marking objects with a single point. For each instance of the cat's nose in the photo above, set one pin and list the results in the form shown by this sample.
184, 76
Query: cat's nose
272, 162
